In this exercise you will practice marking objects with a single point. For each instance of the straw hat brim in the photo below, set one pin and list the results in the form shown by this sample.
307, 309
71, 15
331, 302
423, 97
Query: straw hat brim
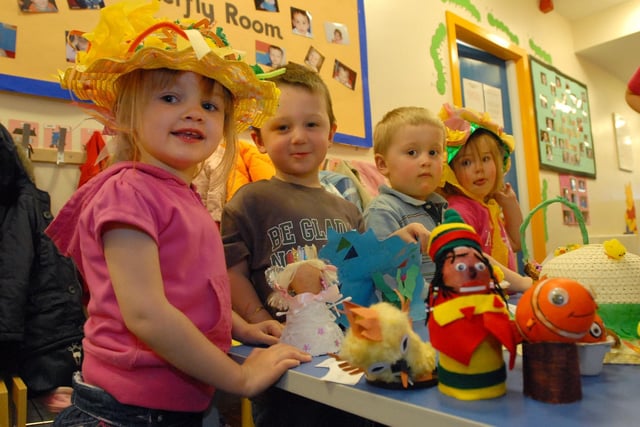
255, 101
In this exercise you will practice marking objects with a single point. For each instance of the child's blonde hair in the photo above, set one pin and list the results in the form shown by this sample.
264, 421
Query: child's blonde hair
482, 141
133, 92
399, 118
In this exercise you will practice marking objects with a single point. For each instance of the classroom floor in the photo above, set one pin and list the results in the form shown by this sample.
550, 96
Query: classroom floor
37, 414
230, 410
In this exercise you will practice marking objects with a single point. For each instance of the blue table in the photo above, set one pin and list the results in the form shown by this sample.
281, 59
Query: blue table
610, 399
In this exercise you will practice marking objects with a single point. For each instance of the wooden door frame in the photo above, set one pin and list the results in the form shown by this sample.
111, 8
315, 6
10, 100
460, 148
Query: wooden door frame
459, 29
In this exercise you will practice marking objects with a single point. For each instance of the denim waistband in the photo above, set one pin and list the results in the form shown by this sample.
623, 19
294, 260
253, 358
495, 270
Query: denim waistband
100, 404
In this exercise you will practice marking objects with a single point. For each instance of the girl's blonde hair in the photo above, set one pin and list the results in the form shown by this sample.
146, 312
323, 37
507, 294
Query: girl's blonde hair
134, 90
482, 141
398, 118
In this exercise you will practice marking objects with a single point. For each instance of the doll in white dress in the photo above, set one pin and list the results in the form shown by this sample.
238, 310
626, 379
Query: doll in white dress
306, 291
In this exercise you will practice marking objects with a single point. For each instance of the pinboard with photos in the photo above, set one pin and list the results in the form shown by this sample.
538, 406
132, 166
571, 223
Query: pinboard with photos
327, 36
563, 121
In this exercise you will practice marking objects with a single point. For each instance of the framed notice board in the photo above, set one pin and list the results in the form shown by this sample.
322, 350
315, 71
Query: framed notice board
563, 122
333, 43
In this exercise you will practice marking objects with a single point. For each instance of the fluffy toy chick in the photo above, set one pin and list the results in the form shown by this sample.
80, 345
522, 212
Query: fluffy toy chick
382, 343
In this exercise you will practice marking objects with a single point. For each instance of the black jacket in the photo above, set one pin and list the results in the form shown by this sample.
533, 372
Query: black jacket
41, 316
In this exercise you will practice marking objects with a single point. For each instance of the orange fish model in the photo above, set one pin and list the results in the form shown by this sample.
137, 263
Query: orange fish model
597, 331
555, 310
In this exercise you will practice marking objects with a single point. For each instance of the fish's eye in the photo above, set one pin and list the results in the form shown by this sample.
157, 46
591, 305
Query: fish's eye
461, 266
559, 297
595, 330
378, 367
480, 266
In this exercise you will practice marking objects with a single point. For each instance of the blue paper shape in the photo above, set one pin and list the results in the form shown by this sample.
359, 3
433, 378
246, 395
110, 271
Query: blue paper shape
361, 257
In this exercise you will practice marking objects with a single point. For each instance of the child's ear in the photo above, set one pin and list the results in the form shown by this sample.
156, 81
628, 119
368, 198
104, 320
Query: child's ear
381, 164
332, 132
257, 139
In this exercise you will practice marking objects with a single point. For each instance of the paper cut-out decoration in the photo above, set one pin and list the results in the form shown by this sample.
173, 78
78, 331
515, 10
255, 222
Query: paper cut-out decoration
57, 137
25, 133
630, 213
337, 374
362, 260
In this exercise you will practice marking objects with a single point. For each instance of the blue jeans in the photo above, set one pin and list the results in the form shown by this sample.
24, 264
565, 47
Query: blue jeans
94, 407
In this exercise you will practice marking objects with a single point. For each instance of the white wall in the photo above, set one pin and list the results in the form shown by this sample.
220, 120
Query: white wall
401, 72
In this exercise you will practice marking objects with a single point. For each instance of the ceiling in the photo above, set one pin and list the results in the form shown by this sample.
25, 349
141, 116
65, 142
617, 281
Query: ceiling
575, 9
619, 56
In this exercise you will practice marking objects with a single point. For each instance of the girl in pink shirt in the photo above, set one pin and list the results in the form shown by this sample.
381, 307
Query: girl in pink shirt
159, 314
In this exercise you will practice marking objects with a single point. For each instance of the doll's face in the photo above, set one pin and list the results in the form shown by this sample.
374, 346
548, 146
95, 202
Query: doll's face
307, 279
465, 271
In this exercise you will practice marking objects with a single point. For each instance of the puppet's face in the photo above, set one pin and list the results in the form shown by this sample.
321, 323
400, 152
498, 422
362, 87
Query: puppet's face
465, 271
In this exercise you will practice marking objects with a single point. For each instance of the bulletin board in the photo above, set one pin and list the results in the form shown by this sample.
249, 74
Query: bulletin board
335, 45
574, 189
563, 122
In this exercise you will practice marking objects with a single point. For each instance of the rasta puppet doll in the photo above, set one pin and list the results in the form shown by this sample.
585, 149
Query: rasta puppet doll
468, 320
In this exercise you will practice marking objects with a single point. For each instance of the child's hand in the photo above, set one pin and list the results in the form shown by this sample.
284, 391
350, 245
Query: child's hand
264, 366
267, 332
506, 196
414, 233
508, 202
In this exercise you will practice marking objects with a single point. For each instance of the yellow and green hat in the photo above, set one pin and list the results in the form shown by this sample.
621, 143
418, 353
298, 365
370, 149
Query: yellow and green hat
452, 233
462, 122
129, 37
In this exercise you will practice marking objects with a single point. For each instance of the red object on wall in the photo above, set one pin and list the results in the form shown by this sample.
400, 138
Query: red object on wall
546, 6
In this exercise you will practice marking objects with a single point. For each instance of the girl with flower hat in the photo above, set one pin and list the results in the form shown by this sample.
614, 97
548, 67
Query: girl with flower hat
478, 157
159, 313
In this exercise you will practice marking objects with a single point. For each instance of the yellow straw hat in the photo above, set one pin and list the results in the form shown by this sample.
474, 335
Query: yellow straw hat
461, 122
128, 37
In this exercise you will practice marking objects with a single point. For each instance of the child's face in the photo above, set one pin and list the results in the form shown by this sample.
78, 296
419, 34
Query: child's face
314, 58
40, 4
182, 125
301, 23
275, 56
475, 169
343, 75
413, 161
298, 136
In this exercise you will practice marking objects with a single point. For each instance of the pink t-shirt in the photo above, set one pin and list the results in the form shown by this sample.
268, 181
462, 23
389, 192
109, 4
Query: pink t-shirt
477, 216
193, 270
